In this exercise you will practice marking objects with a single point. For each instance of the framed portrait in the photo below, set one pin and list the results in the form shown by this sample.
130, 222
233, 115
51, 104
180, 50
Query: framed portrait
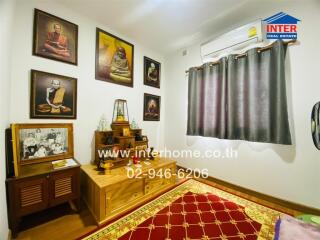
315, 125
36, 143
152, 70
53, 96
55, 38
114, 59
151, 107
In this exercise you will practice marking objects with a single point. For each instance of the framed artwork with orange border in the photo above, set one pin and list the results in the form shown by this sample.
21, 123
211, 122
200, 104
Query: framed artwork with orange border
114, 59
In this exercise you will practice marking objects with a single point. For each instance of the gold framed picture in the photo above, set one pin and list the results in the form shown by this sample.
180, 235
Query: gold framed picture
114, 59
55, 38
36, 143
53, 96
126, 132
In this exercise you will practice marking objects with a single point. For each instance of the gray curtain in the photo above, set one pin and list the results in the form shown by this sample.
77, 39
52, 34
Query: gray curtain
241, 98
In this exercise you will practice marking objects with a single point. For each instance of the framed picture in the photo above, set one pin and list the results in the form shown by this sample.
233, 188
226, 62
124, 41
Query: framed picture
151, 107
152, 70
315, 125
36, 143
53, 96
55, 38
114, 59
126, 132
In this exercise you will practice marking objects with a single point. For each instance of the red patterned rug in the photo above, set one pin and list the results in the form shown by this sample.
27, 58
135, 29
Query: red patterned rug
194, 210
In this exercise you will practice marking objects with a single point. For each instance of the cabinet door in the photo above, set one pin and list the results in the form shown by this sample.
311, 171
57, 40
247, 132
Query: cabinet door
31, 195
122, 195
64, 186
164, 177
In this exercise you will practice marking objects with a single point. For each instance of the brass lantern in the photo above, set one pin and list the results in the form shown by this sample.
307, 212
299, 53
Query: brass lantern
120, 111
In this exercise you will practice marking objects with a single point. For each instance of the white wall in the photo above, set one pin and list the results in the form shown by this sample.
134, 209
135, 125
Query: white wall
94, 97
6, 15
287, 172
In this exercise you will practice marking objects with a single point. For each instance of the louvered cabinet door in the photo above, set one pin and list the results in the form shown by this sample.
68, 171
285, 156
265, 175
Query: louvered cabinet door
32, 195
63, 186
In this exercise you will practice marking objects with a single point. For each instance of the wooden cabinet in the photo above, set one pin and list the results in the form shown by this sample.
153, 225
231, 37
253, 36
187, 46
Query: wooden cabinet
110, 194
119, 195
115, 138
64, 186
37, 190
30, 195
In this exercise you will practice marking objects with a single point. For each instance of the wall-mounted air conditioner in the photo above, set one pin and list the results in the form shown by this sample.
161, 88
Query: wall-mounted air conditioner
239, 38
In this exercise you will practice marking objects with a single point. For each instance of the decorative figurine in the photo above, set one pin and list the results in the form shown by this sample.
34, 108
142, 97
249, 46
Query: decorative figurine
135, 160
134, 125
100, 165
151, 157
120, 111
130, 162
104, 124
109, 140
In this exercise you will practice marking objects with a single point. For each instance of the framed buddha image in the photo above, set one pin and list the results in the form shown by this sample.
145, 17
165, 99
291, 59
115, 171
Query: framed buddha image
151, 70
151, 107
55, 38
53, 96
114, 59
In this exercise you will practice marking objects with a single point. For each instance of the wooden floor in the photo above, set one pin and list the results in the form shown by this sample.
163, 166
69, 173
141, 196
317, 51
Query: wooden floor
58, 223
62, 222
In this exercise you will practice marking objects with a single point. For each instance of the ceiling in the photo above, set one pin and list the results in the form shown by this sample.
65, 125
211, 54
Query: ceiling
169, 25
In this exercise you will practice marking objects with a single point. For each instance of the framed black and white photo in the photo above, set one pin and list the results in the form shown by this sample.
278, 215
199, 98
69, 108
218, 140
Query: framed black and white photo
152, 72
36, 143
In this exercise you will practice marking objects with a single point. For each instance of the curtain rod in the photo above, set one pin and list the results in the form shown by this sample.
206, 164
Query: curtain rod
259, 50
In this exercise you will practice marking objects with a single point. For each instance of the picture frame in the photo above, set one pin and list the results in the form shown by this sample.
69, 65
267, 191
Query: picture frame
114, 59
126, 132
151, 107
152, 72
54, 38
37, 143
52, 96
315, 125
